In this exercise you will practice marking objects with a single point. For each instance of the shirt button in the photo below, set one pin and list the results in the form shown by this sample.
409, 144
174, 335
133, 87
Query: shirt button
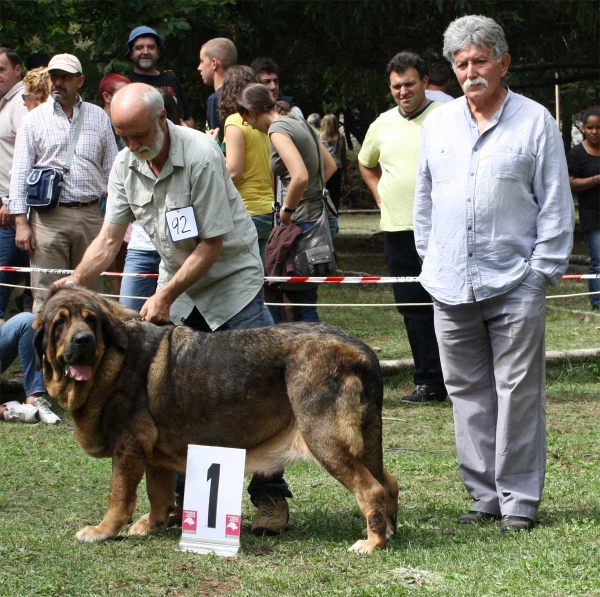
469, 228
469, 200
470, 254
475, 149
472, 173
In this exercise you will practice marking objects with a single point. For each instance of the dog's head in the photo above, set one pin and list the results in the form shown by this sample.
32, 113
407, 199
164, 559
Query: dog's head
73, 331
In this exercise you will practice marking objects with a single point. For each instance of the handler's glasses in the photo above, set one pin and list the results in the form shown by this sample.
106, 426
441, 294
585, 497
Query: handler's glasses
26, 96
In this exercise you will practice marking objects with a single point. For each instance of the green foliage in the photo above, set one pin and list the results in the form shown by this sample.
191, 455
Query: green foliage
332, 53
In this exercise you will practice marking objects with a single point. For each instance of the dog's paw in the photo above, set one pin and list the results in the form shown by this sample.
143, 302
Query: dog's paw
361, 546
91, 533
143, 527
389, 534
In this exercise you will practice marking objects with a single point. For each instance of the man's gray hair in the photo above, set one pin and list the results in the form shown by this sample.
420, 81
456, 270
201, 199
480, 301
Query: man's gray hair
154, 101
474, 30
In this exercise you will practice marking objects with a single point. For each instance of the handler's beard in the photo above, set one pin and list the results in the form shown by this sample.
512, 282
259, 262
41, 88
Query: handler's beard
149, 152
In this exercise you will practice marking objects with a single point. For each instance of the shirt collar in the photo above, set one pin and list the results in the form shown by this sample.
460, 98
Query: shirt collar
55, 105
414, 114
18, 88
496, 117
175, 157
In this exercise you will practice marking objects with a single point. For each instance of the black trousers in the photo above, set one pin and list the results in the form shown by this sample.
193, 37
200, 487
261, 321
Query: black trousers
402, 259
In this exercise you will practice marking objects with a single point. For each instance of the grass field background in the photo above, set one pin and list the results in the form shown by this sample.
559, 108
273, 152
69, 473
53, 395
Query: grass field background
50, 488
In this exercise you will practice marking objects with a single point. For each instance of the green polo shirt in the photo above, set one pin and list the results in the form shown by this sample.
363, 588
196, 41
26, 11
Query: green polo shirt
393, 142
194, 174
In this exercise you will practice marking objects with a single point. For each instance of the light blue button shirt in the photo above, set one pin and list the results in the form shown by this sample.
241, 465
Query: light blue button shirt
489, 207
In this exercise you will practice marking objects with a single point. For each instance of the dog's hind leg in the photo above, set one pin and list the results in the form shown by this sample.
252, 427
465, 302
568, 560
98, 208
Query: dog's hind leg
335, 437
160, 486
126, 476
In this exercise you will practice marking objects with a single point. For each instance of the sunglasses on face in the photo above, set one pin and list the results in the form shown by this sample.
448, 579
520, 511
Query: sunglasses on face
65, 77
26, 96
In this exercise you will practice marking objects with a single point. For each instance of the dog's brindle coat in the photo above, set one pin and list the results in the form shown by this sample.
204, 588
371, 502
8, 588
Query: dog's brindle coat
285, 393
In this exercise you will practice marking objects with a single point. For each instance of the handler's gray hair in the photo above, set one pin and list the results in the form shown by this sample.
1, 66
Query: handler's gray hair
154, 101
474, 30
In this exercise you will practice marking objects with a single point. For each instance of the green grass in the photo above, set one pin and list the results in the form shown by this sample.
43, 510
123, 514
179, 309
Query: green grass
50, 489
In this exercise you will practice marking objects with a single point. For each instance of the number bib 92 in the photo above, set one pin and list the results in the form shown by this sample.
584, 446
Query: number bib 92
182, 223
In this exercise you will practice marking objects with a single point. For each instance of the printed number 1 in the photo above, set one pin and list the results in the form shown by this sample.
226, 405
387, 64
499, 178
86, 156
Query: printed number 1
212, 475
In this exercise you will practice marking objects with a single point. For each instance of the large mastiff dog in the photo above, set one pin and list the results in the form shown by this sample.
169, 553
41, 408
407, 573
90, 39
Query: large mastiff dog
140, 393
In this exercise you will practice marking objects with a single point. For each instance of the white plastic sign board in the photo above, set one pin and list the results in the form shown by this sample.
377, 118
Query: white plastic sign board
212, 503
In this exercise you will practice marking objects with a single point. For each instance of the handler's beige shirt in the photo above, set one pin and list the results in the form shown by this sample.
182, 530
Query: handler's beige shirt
194, 174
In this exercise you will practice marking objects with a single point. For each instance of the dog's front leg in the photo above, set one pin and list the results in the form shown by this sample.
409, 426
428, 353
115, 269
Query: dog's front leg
161, 490
127, 472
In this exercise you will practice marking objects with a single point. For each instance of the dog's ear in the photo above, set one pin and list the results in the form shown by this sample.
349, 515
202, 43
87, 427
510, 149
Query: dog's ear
39, 341
113, 330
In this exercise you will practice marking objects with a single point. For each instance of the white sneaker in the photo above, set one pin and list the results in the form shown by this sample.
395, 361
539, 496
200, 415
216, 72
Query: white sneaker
45, 412
21, 413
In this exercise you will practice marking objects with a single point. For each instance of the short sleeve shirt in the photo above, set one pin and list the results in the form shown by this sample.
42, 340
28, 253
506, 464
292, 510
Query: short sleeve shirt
310, 207
255, 184
193, 175
393, 142
581, 164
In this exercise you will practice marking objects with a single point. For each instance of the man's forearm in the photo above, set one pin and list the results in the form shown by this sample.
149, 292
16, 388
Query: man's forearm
371, 176
194, 267
99, 255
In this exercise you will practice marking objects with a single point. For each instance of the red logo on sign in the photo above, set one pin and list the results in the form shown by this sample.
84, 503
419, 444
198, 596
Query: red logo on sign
233, 525
189, 521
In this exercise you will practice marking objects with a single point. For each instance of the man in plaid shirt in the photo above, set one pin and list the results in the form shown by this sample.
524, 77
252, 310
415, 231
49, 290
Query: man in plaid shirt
58, 239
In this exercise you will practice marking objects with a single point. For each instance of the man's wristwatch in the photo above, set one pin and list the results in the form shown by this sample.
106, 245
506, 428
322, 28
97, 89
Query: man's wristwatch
288, 209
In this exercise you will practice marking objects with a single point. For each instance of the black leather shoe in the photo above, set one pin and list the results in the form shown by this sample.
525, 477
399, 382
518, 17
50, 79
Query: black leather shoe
515, 523
474, 516
425, 393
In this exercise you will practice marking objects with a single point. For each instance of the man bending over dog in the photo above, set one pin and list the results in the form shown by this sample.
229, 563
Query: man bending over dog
173, 180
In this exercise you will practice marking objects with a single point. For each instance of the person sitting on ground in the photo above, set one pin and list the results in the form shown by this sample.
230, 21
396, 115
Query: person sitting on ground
16, 338
247, 156
36, 88
336, 146
583, 162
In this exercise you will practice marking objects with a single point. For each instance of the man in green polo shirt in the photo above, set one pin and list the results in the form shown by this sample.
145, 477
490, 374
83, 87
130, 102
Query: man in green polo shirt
174, 181
388, 164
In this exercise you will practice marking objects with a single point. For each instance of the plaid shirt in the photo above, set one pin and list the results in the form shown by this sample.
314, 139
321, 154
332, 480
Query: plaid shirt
43, 142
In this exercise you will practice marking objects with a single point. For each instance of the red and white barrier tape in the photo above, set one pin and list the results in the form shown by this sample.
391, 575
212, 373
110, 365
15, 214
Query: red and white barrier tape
292, 279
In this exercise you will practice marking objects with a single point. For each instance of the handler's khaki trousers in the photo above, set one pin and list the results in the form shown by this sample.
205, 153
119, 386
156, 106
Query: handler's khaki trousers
493, 360
61, 238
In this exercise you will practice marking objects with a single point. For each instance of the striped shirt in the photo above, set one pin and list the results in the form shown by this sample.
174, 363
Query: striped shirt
43, 141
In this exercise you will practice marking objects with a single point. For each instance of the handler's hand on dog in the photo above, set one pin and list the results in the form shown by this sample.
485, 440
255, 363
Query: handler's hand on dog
72, 280
156, 310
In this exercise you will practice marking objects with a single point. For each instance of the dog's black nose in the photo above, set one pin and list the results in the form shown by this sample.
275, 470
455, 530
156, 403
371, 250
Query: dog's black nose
83, 339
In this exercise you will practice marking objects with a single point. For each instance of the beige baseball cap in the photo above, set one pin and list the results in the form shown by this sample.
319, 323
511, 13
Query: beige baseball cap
66, 62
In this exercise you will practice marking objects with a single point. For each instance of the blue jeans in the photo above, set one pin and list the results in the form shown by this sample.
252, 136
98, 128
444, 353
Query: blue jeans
139, 262
10, 255
593, 242
16, 338
310, 295
263, 225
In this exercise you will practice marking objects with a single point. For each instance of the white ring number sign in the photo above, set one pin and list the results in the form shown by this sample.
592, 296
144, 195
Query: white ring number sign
182, 223
212, 504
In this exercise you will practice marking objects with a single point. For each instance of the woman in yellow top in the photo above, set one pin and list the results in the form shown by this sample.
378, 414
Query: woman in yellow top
247, 155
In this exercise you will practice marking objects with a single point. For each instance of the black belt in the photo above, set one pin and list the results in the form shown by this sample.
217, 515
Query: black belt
79, 203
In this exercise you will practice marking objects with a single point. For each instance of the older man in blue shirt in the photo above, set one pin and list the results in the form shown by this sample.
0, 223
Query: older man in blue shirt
493, 221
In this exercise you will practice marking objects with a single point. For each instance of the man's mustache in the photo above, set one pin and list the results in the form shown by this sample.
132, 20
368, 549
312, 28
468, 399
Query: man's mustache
57, 88
478, 81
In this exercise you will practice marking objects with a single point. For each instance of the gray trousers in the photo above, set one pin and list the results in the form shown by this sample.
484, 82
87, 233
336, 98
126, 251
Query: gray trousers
493, 360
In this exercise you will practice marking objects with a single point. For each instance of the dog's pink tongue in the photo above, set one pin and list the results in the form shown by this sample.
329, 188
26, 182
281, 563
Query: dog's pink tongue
80, 372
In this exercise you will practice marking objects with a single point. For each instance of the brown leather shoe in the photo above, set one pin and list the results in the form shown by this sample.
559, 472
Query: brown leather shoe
272, 516
515, 523
475, 516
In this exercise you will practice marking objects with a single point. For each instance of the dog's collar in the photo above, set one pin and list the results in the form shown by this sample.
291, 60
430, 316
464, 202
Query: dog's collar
134, 319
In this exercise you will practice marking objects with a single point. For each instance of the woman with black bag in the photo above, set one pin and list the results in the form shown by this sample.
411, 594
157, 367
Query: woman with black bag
303, 165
